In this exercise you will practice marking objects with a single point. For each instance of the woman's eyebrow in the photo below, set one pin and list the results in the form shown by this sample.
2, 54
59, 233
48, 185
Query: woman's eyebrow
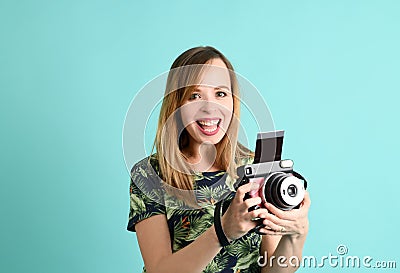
197, 89
222, 87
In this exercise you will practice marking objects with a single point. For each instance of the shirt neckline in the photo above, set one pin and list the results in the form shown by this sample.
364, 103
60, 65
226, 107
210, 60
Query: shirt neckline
210, 172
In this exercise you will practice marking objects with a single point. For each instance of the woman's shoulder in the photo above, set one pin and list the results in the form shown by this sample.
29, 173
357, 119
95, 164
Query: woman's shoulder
146, 173
145, 176
245, 160
147, 165
244, 155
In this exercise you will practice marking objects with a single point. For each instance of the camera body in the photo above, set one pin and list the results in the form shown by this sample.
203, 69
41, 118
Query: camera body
278, 183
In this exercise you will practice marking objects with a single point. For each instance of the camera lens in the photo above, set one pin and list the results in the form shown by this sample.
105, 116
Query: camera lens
292, 190
283, 190
273, 188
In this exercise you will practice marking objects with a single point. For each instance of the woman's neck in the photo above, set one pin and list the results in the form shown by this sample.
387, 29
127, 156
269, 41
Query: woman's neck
201, 157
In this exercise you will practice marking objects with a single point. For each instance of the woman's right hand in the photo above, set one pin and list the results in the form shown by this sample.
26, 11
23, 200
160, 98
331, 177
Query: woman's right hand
237, 220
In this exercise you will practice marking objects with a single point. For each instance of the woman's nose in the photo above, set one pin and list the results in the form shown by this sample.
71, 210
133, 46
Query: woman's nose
208, 105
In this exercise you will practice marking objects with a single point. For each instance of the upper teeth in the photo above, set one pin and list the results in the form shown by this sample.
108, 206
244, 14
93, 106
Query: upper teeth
209, 122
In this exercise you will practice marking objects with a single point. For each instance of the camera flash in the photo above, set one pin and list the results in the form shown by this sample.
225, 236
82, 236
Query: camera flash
287, 163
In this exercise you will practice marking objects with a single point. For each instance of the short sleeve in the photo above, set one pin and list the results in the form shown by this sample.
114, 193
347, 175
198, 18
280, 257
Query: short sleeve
146, 194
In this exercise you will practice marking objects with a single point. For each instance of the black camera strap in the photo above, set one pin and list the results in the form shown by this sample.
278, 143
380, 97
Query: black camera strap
223, 240
299, 176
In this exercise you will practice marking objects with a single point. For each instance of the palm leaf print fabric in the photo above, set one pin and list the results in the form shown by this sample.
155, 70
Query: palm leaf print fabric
147, 198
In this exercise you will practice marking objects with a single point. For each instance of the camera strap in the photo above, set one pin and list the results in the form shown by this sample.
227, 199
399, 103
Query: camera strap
299, 176
223, 240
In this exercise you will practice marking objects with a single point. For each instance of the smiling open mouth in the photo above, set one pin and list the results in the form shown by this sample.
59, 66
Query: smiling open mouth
208, 126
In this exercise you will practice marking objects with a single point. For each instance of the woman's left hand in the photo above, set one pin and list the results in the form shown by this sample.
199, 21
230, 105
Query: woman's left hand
293, 222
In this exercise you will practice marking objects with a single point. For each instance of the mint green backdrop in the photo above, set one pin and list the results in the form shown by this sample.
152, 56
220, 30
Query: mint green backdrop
329, 71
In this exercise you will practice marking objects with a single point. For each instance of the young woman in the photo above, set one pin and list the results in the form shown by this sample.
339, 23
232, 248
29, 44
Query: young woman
173, 192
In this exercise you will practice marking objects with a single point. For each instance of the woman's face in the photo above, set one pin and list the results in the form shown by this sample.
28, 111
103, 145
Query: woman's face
207, 113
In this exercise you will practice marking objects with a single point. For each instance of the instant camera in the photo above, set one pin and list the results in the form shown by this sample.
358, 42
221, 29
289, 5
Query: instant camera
278, 183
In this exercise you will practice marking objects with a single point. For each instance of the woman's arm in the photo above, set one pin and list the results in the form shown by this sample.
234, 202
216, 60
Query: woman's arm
155, 244
287, 244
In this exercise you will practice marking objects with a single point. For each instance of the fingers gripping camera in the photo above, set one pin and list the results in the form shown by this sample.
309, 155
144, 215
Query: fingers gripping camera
278, 183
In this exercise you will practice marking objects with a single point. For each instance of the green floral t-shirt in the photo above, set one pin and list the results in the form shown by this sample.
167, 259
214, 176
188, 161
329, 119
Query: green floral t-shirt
148, 198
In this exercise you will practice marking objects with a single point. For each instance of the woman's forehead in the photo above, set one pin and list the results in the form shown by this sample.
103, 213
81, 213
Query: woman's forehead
215, 76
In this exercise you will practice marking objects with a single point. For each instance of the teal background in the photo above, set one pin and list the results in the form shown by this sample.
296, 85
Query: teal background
329, 71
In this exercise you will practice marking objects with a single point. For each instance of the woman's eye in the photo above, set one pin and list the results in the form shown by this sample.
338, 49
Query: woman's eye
194, 96
221, 94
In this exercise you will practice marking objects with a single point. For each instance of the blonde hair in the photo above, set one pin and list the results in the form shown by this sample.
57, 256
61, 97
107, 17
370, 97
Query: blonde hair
171, 137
